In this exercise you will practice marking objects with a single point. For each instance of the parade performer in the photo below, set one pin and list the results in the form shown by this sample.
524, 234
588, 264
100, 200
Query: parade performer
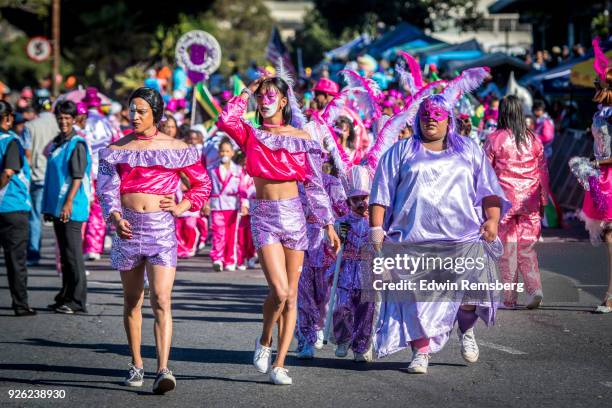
137, 181
66, 202
517, 157
544, 126
436, 187
101, 133
246, 249
314, 285
596, 176
326, 90
279, 155
15, 205
223, 208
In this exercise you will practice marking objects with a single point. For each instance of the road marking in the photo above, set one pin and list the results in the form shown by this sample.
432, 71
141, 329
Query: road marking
607, 383
499, 347
111, 284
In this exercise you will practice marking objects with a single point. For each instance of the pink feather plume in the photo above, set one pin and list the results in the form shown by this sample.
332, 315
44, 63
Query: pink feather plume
414, 67
366, 92
600, 63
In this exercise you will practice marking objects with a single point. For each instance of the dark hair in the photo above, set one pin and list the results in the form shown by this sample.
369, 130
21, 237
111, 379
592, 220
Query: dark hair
282, 86
350, 141
183, 131
538, 104
511, 118
5, 109
153, 98
66, 108
226, 140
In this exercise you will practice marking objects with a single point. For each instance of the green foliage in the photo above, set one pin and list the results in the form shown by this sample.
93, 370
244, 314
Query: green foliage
242, 28
600, 25
41, 8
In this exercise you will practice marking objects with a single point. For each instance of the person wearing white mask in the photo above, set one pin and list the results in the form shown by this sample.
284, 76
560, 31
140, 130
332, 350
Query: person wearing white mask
223, 207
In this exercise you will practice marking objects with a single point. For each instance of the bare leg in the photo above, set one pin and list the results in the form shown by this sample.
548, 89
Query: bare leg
272, 260
161, 279
133, 296
608, 241
294, 260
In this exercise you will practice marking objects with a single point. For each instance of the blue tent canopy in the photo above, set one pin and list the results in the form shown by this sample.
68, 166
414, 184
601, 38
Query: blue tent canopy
401, 34
440, 59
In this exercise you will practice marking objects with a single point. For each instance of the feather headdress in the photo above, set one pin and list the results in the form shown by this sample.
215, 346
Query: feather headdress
600, 63
298, 119
415, 70
366, 92
469, 80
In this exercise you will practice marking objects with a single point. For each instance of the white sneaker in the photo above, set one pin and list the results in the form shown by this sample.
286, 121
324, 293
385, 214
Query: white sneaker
201, 246
419, 363
319, 343
92, 256
363, 357
469, 348
231, 268
218, 266
307, 352
279, 376
342, 350
86, 272
263, 357
536, 300
242, 268
108, 242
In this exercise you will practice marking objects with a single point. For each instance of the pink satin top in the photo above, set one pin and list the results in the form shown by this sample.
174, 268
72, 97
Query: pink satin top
522, 174
269, 156
158, 172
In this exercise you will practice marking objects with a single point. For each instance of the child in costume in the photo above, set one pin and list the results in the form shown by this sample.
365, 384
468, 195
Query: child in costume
223, 206
517, 156
596, 176
436, 188
245, 248
137, 181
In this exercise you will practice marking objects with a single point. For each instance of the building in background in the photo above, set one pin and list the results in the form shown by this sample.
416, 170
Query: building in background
554, 22
498, 32
288, 15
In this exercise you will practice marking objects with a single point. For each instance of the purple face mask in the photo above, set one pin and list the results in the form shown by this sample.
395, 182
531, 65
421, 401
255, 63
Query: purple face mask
430, 110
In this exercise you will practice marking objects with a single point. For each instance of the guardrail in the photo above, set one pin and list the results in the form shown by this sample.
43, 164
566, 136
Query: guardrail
565, 187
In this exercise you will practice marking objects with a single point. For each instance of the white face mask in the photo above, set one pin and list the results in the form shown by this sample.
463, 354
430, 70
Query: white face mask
270, 110
225, 159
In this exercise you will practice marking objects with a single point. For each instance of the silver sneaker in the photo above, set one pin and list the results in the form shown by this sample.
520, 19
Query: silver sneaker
135, 377
164, 382
366, 357
419, 363
279, 376
262, 359
469, 347
342, 350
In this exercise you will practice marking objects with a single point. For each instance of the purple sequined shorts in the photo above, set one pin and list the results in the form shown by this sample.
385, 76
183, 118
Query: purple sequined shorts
153, 240
279, 221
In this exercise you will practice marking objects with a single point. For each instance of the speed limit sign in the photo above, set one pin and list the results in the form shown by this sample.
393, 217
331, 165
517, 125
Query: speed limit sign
38, 49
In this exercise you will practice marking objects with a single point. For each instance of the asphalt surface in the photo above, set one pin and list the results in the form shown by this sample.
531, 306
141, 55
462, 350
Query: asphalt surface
559, 355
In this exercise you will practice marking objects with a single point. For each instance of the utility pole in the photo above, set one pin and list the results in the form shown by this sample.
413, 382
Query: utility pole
56, 45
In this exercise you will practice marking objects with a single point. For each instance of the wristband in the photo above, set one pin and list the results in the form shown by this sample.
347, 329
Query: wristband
377, 235
247, 91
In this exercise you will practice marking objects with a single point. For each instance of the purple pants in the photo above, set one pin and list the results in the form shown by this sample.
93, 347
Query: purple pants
353, 318
278, 221
153, 240
314, 286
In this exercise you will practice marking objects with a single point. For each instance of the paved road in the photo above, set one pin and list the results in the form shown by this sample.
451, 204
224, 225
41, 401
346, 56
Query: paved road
560, 355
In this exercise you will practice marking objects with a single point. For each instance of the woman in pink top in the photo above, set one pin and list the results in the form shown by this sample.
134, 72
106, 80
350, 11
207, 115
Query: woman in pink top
278, 156
517, 156
137, 180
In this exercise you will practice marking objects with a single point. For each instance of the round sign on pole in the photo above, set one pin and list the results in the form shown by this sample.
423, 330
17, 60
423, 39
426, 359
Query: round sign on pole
38, 49
199, 54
